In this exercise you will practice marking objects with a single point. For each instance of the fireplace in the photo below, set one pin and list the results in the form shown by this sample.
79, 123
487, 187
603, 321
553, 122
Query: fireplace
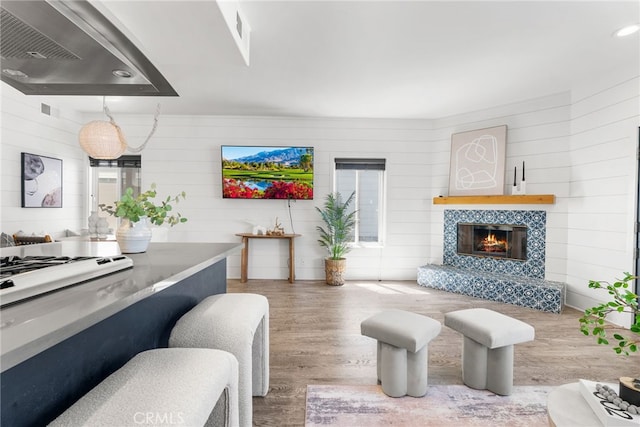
492, 240
528, 243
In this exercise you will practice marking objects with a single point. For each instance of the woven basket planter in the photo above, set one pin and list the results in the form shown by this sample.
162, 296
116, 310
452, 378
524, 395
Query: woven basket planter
334, 270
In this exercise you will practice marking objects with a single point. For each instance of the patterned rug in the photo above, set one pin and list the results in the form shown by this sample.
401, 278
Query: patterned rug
452, 405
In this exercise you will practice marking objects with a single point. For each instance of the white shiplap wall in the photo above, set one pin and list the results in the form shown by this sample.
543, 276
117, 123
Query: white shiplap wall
605, 118
185, 154
578, 145
24, 128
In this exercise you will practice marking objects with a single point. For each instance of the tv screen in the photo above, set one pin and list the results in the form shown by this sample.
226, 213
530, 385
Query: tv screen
263, 172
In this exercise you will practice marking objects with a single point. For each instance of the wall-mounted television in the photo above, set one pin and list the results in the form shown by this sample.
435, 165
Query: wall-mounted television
267, 172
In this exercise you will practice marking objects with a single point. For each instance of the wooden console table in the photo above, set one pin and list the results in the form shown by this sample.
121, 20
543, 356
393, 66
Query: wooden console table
245, 253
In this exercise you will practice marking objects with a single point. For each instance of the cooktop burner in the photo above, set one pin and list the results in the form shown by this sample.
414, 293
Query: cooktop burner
29, 276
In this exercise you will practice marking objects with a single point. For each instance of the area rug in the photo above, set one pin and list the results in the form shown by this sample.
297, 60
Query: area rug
443, 405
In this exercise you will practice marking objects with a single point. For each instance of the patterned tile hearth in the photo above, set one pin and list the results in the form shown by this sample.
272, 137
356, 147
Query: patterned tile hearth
529, 292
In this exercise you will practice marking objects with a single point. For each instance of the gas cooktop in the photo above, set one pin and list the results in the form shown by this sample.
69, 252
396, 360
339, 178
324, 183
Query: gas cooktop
26, 277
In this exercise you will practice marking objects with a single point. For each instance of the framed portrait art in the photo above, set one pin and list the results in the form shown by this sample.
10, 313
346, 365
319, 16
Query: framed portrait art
41, 181
477, 162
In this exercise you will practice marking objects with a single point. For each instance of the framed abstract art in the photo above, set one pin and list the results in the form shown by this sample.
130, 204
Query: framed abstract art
478, 161
41, 181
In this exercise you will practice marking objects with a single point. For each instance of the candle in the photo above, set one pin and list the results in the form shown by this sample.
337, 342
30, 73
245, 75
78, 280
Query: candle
515, 169
523, 170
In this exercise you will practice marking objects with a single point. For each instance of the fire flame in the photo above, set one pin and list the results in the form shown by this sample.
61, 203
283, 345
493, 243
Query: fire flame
493, 244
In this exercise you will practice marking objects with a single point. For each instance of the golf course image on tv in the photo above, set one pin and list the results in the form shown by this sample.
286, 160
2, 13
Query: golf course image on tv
267, 172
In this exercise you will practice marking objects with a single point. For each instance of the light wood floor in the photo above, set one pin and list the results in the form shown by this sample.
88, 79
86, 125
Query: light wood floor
315, 339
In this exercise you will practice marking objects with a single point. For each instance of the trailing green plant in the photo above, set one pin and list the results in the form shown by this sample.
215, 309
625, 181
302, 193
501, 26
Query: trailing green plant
622, 301
133, 207
339, 223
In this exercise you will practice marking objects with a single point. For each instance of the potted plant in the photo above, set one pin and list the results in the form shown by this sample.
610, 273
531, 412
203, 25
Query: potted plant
335, 235
627, 341
134, 234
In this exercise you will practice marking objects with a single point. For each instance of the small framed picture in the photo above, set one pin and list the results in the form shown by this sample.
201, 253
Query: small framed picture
41, 181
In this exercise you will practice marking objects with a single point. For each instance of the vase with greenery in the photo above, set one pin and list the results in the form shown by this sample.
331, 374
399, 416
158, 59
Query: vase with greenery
136, 212
624, 341
339, 222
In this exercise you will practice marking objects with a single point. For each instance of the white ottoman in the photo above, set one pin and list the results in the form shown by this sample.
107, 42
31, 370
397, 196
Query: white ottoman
239, 324
402, 353
180, 386
487, 349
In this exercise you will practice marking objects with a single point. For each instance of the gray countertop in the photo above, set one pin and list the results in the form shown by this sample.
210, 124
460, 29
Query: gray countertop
32, 326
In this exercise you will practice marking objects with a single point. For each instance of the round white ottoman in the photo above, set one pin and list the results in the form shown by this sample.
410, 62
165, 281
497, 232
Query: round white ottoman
402, 354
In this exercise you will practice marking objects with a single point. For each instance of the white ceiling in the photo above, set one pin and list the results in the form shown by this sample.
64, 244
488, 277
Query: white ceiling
378, 59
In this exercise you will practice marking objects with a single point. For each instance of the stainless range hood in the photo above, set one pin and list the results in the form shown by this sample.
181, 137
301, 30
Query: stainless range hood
62, 47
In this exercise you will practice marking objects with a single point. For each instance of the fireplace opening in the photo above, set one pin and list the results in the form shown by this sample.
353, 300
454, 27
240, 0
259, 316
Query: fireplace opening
493, 240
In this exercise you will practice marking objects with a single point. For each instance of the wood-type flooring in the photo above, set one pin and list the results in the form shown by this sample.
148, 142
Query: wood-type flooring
315, 339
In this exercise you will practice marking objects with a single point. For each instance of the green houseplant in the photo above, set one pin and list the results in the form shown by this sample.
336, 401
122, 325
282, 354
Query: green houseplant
134, 235
622, 301
339, 222
626, 341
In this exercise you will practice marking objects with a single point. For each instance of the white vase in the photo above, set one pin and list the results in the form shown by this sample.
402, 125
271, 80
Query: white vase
133, 237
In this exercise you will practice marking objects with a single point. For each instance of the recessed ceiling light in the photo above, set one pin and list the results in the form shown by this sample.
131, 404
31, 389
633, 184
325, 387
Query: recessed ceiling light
628, 30
14, 73
122, 73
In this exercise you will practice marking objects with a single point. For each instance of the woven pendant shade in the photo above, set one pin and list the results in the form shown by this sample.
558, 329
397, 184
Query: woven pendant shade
102, 140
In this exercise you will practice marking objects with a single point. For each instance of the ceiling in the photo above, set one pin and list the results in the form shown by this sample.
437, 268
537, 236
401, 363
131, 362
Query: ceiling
373, 59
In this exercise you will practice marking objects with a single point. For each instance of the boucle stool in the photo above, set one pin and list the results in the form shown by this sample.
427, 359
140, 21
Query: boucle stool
182, 386
239, 324
402, 353
487, 349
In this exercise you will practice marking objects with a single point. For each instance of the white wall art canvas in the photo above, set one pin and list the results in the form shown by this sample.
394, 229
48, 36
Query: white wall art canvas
477, 162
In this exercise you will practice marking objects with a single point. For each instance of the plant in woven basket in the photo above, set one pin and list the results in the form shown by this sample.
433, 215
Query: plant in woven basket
339, 222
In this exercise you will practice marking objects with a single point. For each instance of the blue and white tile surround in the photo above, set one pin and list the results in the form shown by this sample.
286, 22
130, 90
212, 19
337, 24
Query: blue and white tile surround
509, 281
535, 221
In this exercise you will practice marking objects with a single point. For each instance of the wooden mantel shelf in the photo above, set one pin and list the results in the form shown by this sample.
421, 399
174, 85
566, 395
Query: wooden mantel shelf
524, 199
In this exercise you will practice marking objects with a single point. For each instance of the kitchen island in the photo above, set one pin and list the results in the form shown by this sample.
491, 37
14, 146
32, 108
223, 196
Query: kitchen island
56, 347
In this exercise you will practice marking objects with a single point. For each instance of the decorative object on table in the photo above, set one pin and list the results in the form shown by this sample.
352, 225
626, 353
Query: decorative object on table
20, 238
477, 162
627, 341
339, 222
259, 230
102, 228
443, 405
93, 224
611, 409
277, 229
104, 140
134, 233
519, 188
41, 181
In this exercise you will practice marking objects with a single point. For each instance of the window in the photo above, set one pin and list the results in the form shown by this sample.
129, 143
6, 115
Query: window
366, 177
109, 179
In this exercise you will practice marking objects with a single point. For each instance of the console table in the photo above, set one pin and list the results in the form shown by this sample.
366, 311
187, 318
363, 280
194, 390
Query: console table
245, 253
